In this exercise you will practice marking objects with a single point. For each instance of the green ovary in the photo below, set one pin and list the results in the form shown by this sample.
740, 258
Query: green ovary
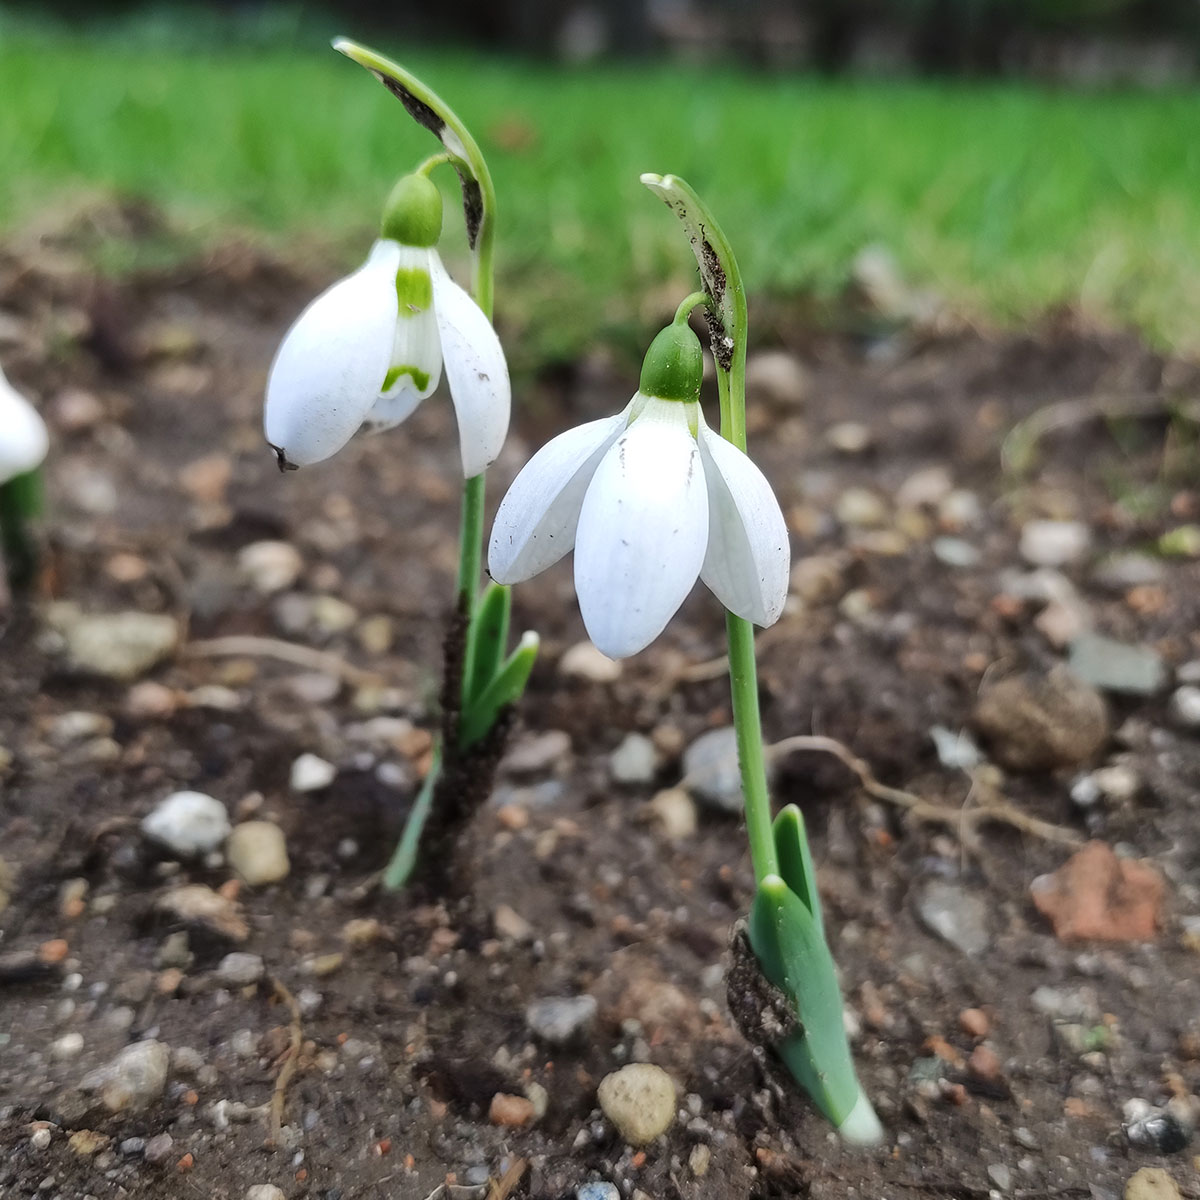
414, 290
420, 378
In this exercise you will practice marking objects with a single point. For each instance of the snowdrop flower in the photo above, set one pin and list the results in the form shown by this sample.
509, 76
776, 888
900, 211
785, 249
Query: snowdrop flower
23, 437
367, 350
650, 500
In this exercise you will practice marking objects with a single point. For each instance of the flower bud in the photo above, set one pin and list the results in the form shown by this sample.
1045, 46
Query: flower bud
412, 215
673, 366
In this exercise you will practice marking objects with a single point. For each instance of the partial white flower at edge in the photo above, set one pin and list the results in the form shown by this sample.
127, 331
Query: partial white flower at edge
650, 500
23, 437
368, 349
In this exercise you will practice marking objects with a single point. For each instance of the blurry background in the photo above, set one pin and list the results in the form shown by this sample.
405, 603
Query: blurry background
999, 157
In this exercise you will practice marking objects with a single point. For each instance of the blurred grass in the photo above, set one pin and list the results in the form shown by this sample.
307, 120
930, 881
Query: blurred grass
1004, 198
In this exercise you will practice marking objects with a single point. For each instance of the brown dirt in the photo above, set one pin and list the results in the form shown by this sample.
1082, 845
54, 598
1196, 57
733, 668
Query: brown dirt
415, 1032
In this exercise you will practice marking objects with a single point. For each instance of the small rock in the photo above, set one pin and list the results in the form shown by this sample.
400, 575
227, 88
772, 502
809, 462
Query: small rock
376, 634
974, 1022
69, 1046
508, 923
158, 1148
512, 1111
699, 1159
118, 646
148, 700
1118, 782
1116, 666
926, 488
1054, 543
257, 851
310, 774
635, 760
1095, 894
710, 769
240, 970
560, 1019
598, 1190
1124, 571
817, 579
1151, 1183
860, 508
72, 727
75, 410
777, 378
584, 661
1154, 1129
639, 1100
359, 932
270, 566
133, 1080
984, 1063
537, 754
850, 437
195, 904
40, 1138
955, 749
332, 615
1000, 1175
674, 812
956, 915
265, 1191
1184, 706
188, 823
955, 552
1042, 722
87, 1142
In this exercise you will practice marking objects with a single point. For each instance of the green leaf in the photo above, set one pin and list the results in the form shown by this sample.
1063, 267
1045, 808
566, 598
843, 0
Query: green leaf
790, 946
486, 640
431, 112
795, 859
404, 858
505, 688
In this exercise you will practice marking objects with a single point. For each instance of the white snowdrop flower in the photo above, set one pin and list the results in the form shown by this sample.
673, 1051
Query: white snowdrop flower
650, 500
370, 348
23, 437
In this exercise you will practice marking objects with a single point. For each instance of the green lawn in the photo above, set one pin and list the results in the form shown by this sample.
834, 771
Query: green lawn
1004, 198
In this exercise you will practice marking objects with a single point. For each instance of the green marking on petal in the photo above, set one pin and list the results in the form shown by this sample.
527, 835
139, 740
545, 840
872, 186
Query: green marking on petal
420, 378
414, 290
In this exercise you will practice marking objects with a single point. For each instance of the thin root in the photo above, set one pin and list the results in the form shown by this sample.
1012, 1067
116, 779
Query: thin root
962, 820
249, 646
291, 1057
502, 1188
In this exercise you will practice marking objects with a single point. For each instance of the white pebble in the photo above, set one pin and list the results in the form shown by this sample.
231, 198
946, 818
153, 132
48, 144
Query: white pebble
311, 774
188, 823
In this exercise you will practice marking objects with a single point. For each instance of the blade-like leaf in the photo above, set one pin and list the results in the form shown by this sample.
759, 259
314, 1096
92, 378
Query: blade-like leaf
404, 858
505, 688
795, 859
486, 640
430, 111
791, 949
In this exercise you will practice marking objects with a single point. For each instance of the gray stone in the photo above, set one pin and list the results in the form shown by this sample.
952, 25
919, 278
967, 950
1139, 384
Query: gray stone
537, 754
1124, 571
257, 851
1054, 543
860, 507
599, 1190
710, 769
639, 1100
133, 1080
1000, 1175
560, 1019
635, 760
674, 812
1116, 666
850, 437
1184, 706
188, 823
158, 1148
270, 566
584, 661
120, 645
777, 378
955, 552
265, 1191
240, 970
956, 915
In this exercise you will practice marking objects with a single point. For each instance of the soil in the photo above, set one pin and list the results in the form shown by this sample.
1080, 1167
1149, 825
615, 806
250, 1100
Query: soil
158, 479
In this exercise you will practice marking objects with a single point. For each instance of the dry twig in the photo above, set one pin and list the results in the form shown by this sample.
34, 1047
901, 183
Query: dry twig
249, 646
291, 1057
502, 1188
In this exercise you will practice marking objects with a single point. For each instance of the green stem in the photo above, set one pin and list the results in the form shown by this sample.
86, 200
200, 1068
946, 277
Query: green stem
404, 858
743, 686
20, 502
687, 304
470, 549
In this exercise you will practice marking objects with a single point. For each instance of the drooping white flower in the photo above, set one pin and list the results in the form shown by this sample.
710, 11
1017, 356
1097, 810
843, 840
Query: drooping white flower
23, 437
650, 500
370, 348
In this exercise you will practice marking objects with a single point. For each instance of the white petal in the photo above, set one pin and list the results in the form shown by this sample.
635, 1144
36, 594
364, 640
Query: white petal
748, 553
23, 437
642, 531
328, 371
475, 370
535, 524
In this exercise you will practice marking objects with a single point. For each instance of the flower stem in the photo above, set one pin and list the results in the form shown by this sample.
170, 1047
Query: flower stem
687, 305
470, 550
20, 501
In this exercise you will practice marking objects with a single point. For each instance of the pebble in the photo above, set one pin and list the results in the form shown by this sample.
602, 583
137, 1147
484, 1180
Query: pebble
148, 699
960, 509
257, 851
270, 566
639, 1100
158, 1148
240, 970
955, 748
1124, 571
537, 754
188, 823
120, 645
69, 1046
77, 726
974, 1022
560, 1019
635, 760
1000, 1175
861, 508
1151, 1183
1153, 1129
674, 813
955, 552
956, 915
40, 1138
1184, 706
699, 1159
1116, 666
196, 904
584, 661
926, 488
778, 378
599, 1190
265, 1191
1054, 543
310, 774
508, 923
1042, 722
850, 437
133, 1080
511, 1111
332, 615
710, 769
